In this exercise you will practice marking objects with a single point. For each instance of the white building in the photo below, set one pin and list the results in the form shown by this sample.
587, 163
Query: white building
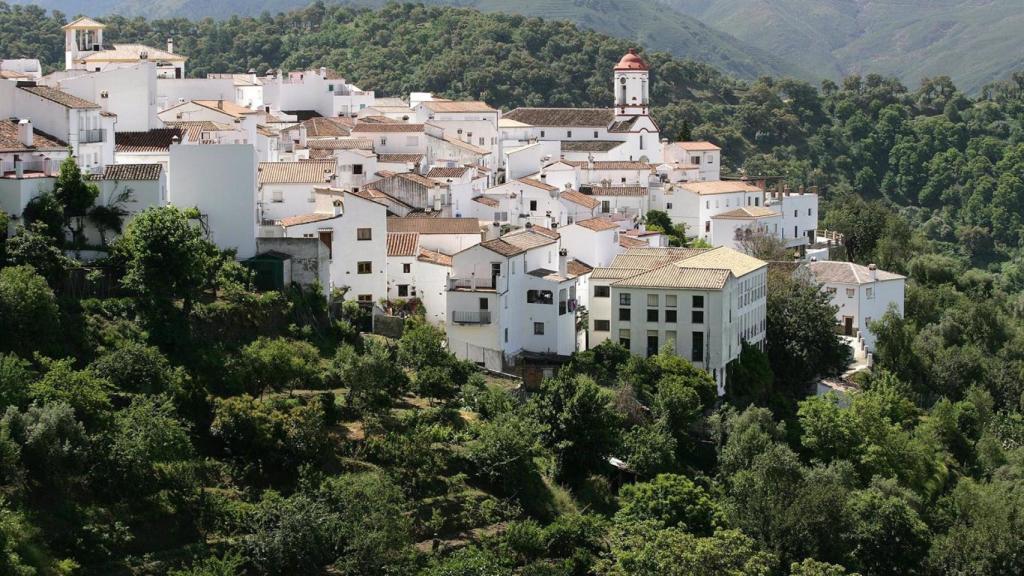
219, 180
288, 188
702, 303
732, 227
418, 273
322, 90
84, 49
471, 122
704, 157
861, 294
130, 187
129, 92
29, 163
392, 137
595, 241
508, 296
445, 235
353, 227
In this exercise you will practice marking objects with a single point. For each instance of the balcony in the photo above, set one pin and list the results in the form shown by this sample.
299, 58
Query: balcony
471, 317
471, 284
91, 136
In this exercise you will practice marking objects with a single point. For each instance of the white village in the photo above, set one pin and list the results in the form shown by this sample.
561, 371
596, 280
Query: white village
527, 235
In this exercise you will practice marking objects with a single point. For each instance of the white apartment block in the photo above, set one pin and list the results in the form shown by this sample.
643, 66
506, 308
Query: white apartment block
418, 273
702, 303
861, 294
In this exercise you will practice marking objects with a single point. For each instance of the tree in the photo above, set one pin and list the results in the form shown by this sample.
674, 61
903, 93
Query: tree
147, 437
802, 342
886, 535
167, 257
374, 379
15, 377
277, 364
764, 246
750, 377
75, 195
134, 367
45, 215
33, 247
503, 450
86, 393
672, 501
642, 550
421, 345
110, 217
650, 449
28, 311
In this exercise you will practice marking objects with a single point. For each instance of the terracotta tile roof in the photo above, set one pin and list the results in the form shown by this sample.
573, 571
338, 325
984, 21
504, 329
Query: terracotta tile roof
527, 239
676, 276
417, 178
195, 128
321, 154
156, 140
580, 199
305, 219
63, 98
83, 22
457, 106
435, 225
364, 127
633, 191
748, 213
589, 145
441, 172
598, 224
545, 231
133, 52
575, 267
10, 142
623, 125
502, 247
645, 257
12, 75
379, 119
264, 130
129, 172
537, 184
695, 146
226, 106
403, 243
718, 187
613, 164
829, 272
487, 201
328, 127
725, 258
311, 172
400, 158
433, 257
466, 146
341, 144
568, 117
374, 195
631, 242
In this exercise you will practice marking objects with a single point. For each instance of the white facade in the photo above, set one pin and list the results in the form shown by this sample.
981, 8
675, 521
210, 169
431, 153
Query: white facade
861, 294
595, 246
317, 90
219, 180
129, 92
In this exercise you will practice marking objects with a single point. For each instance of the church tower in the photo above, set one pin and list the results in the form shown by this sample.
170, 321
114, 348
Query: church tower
631, 85
81, 38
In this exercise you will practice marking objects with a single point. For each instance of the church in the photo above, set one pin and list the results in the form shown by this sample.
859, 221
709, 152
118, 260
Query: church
624, 132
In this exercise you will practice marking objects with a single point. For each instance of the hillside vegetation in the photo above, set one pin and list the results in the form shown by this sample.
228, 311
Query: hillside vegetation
972, 42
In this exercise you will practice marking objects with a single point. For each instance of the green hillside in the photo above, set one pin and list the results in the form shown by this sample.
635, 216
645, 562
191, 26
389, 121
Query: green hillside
640, 21
973, 42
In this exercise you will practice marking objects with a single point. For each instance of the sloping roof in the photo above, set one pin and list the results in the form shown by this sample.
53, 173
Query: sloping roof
306, 219
612, 164
311, 172
748, 213
695, 146
195, 128
433, 257
63, 98
567, 117
400, 158
466, 145
374, 195
623, 125
537, 184
131, 52
528, 239
83, 22
580, 199
435, 225
156, 140
502, 247
648, 258
545, 231
830, 272
718, 187
676, 276
487, 201
614, 190
328, 127
403, 243
575, 267
725, 258
627, 241
341, 144
10, 142
417, 178
129, 172
442, 172
457, 106
386, 127
589, 145
226, 106
597, 224
303, 115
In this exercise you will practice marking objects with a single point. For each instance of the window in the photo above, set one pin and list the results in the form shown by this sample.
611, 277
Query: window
624, 315
694, 159
568, 134
641, 141
363, 267
808, 211
697, 316
624, 299
697, 347
670, 300
606, 206
652, 314
602, 291
670, 316
796, 232
623, 179
364, 234
357, 169
365, 297
277, 196
483, 140
670, 338
383, 141
602, 325
533, 205
668, 205
698, 301
541, 133
624, 338
406, 268
652, 300
403, 290
595, 133
711, 159
538, 328
869, 293
485, 304
707, 225
539, 297
850, 292
652, 342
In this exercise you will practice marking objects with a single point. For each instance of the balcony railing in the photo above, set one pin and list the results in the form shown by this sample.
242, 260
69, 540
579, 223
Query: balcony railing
471, 284
471, 317
91, 136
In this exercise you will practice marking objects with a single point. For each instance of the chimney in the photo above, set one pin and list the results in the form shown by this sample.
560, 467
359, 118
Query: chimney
563, 261
872, 272
25, 132
323, 72
339, 207
170, 45
220, 104
19, 169
175, 140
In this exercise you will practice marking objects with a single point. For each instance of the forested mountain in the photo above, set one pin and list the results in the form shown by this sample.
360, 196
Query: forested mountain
642, 22
973, 42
